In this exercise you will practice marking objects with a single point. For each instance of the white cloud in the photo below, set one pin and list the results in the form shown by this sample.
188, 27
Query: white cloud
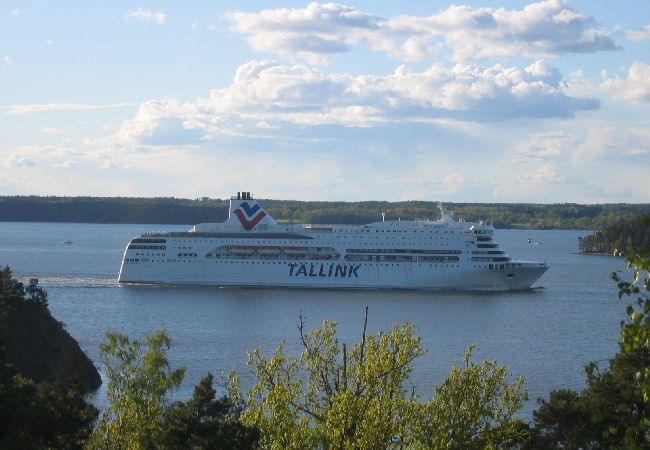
7, 61
67, 164
53, 130
546, 174
277, 95
310, 33
609, 144
49, 42
51, 107
547, 28
19, 161
545, 146
640, 35
634, 88
145, 15
15, 12
314, 33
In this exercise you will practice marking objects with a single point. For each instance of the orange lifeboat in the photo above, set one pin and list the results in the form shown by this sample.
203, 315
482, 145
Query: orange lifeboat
269, 250
241, 250
295, 251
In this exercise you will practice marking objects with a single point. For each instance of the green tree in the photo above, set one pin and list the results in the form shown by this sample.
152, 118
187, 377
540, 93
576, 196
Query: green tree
634, 354
613, 411
333, 396
205, 422
564, 421
41, 415
139, 384
472, 409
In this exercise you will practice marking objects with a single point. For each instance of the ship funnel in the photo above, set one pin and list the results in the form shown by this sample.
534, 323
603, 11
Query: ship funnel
246, 213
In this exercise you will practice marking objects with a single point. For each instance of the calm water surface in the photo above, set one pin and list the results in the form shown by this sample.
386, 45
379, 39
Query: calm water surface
546, 334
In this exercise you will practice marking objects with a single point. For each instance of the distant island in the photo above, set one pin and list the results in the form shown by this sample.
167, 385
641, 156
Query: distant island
169, 210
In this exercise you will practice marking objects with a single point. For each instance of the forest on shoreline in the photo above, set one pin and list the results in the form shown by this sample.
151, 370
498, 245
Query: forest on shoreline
618, 238
170, 210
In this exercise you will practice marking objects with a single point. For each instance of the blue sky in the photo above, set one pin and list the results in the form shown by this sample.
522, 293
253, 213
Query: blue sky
482, 101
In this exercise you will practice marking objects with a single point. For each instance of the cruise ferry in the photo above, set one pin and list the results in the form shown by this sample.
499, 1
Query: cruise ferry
251, 249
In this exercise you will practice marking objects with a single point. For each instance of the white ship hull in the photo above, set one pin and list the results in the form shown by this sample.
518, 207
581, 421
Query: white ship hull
440, 255
321, 275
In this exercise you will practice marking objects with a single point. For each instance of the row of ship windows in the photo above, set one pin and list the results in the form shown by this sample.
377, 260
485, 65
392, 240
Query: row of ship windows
317, 257
343, 230
401, 258
199, 241
394, 250
375, 250
137, 261
147, 247
484, 259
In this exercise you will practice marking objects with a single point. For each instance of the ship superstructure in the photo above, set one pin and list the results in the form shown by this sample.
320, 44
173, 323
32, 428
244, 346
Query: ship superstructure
251, 249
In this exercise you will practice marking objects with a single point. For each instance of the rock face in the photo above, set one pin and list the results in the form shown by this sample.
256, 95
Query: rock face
37, 344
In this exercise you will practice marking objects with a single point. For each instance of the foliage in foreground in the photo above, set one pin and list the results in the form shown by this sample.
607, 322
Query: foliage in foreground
139, 384
613, 411
205, 422
42, 415
335, 396
140, 414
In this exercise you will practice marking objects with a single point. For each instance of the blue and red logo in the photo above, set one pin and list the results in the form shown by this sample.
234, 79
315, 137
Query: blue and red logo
249, 217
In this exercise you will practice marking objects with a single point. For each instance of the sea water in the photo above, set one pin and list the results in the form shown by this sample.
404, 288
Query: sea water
546, 334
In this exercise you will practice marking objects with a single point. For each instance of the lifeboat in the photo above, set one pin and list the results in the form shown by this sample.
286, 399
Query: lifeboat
295, 250
269, 250
241, 250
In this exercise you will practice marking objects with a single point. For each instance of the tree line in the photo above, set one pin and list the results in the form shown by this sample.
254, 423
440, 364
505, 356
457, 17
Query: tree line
185, 211
631, 234
333, 395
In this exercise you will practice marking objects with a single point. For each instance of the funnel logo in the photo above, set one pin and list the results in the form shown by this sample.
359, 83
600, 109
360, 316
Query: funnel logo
249, 217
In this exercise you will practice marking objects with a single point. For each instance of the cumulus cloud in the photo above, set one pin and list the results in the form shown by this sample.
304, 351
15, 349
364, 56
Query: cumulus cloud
274, 94
311, 33
314, 33
161, 122
639, 35
634, 88
145, 15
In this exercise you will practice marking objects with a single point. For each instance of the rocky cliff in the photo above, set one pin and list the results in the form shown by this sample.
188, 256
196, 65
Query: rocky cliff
35, 342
